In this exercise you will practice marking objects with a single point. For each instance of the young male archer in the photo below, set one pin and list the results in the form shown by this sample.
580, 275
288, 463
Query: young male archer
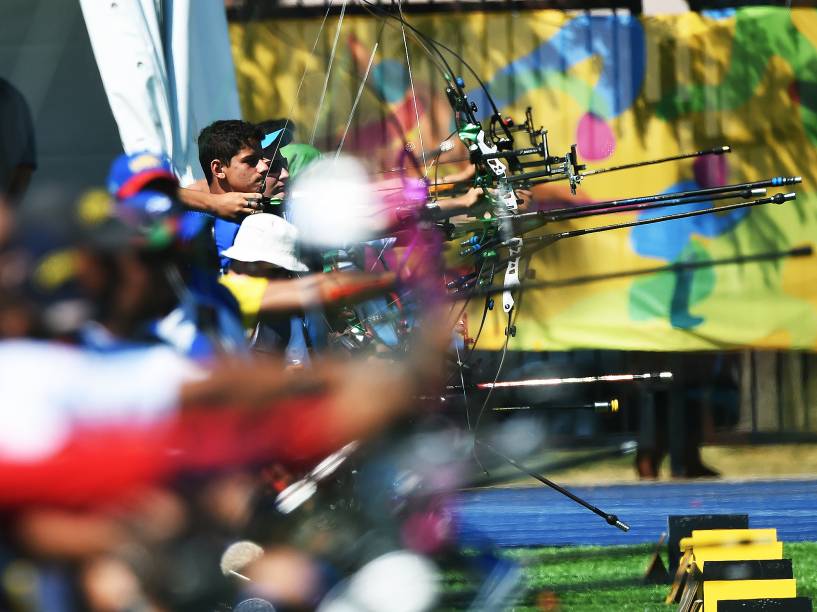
232, 158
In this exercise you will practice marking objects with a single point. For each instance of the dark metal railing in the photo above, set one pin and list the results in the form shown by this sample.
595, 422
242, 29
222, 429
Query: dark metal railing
252, 10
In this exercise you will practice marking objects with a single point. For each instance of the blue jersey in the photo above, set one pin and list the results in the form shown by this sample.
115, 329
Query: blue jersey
205, 324
224, 233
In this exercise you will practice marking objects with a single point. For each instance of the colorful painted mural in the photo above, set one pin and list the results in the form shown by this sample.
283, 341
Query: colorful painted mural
624, 89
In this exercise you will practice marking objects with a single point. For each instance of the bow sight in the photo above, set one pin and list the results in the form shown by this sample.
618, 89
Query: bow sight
565, 167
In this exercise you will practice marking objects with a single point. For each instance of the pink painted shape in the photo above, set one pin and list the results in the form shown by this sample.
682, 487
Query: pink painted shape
711, 171
380, 132
594, 137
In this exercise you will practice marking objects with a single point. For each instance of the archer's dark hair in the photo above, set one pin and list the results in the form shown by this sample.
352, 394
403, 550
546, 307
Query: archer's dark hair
270, 125
222, 139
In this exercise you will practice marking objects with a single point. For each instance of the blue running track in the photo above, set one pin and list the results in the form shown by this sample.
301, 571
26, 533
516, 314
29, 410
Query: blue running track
542, 517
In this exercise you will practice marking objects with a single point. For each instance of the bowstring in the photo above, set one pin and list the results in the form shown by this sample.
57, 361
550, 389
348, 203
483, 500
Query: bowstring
512, 316
413, 92
459, 367
511, 321
287, 120
436, 58
328, 72
358, 96
306, 69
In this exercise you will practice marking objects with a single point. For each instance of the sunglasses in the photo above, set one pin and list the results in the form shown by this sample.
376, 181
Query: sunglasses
278, 164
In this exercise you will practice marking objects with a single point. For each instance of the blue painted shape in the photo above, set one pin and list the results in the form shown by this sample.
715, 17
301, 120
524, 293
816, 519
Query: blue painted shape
390, 80
667, 240
543, 517
617, 39
670, 239
719, 14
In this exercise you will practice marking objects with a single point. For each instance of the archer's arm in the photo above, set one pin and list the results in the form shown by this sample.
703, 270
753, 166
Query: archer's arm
233, 206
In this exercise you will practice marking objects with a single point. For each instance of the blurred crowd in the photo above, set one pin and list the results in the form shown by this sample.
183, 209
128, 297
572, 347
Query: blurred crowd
207, 390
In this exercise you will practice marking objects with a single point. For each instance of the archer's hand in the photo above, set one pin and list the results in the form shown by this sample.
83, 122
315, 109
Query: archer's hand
463, 202
472, 196
234, 206
230, 206
524, 197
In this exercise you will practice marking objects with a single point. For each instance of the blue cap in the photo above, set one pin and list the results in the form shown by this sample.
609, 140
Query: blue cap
271, 143
147, 207
130, 173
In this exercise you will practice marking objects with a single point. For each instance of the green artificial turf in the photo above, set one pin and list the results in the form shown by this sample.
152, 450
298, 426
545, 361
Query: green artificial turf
590, 578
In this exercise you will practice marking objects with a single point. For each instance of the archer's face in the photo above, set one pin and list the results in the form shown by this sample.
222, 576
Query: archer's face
277, 179
246, 170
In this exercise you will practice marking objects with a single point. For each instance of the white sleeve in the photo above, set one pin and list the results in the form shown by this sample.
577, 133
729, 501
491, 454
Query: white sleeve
48, 390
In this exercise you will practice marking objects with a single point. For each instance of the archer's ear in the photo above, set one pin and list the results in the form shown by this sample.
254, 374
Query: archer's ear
217, 168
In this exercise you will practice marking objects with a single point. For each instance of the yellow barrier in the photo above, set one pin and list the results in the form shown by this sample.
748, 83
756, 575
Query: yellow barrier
716, 590
732, 545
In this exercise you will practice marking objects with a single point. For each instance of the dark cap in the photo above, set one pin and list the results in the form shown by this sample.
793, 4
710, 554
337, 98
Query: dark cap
272, 142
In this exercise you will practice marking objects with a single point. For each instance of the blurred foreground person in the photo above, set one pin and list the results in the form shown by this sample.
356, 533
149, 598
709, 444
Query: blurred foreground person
88, 435
128, 399
103, 424
205, 320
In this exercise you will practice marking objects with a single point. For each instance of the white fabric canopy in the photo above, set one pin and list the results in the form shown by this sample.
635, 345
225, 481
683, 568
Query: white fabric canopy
167, 69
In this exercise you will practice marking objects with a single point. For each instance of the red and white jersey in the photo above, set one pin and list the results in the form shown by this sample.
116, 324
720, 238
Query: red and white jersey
80, 427
77, 424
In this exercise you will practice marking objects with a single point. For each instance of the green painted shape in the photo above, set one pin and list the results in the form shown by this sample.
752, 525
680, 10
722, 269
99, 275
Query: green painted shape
650, 297
705, 279
760, 33
655, 296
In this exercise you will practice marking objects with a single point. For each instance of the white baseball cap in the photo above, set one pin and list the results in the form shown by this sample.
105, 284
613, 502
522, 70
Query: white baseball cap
269, 238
